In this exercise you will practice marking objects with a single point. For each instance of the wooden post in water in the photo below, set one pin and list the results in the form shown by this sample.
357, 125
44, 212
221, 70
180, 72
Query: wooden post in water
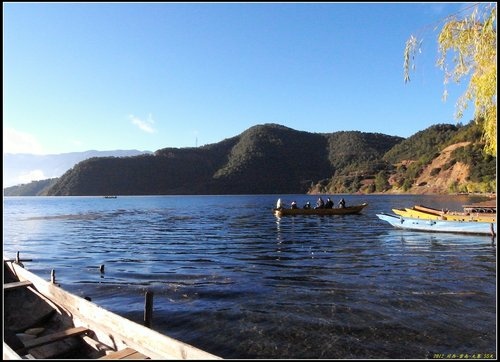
18, 260
148, 309
53, 276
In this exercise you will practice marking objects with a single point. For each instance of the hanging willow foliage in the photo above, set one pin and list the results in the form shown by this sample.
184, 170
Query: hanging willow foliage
473, 40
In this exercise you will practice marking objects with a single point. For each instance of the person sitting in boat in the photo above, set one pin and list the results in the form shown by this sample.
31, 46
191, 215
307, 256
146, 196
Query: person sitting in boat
329, 204
320, 204
307, 205
342, 203
293, 205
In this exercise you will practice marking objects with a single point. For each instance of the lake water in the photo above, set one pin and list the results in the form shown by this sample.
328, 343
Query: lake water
232, 279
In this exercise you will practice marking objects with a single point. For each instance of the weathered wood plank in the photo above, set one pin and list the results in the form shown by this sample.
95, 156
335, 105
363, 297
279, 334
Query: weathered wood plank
127, 353
136, 355
15, 285
55, 337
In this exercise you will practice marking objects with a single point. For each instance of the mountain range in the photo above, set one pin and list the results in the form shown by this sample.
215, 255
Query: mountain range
272, 158
22, 168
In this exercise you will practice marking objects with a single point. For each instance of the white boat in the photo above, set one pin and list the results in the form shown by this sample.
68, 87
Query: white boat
462, 227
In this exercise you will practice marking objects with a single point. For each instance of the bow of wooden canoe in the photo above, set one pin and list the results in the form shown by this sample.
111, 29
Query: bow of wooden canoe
43, 321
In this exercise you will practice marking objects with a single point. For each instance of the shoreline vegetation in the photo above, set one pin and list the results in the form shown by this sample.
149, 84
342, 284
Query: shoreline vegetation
488, 195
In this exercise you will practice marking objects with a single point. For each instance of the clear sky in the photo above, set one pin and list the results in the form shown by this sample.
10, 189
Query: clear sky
145, 76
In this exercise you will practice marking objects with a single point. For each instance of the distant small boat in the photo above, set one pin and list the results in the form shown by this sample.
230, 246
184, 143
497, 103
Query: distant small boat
348, 210
110, 197
463, 227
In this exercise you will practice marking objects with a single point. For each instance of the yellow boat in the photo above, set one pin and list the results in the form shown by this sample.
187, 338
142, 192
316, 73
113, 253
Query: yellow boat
412, 213
470, 217
400, 212
427, 213
458, 216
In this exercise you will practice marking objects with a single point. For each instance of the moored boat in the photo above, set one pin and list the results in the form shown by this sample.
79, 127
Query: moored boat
478, 209
43, 321
488, 207
463, 227
347, 210
406, 212
421, 212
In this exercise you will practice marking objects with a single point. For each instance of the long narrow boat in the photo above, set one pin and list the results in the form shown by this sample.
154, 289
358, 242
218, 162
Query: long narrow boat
43, 321
469, 215
406, 212
420, 212
348, 210
468, 210
463, 227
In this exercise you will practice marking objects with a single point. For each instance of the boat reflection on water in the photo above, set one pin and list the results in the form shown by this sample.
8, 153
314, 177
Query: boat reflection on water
421, 239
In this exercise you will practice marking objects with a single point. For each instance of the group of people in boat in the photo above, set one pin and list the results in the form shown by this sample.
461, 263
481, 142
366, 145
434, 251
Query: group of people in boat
320, 204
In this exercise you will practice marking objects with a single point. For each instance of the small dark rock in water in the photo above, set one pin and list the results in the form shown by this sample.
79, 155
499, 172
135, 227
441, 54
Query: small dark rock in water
101, 268
88, 298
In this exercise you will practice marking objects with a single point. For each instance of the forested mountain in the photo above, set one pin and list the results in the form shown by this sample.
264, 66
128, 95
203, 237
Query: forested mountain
266, 158
22, 168
34, 188
423, 144
274, 159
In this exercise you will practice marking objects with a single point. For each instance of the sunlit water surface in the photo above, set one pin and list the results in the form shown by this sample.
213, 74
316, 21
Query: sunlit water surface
232, 279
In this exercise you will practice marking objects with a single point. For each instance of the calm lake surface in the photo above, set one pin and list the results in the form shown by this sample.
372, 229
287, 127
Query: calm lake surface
232, 279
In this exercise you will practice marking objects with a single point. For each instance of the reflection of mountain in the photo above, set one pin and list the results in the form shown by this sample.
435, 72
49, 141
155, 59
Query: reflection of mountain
23, 168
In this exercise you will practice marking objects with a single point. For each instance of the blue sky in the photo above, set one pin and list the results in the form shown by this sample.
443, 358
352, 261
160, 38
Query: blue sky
145, 76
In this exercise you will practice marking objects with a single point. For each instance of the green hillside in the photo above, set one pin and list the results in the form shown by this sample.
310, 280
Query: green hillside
267, 158
275, 159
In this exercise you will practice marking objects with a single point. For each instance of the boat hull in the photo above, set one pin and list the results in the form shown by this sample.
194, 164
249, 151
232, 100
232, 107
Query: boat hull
422, 212
470, 215
462, 227
349, 210
104, 332
411, 213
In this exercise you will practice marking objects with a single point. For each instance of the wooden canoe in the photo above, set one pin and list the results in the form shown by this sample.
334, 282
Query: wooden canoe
407, 212
425, 212
348, 210
462, 227
43, 321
